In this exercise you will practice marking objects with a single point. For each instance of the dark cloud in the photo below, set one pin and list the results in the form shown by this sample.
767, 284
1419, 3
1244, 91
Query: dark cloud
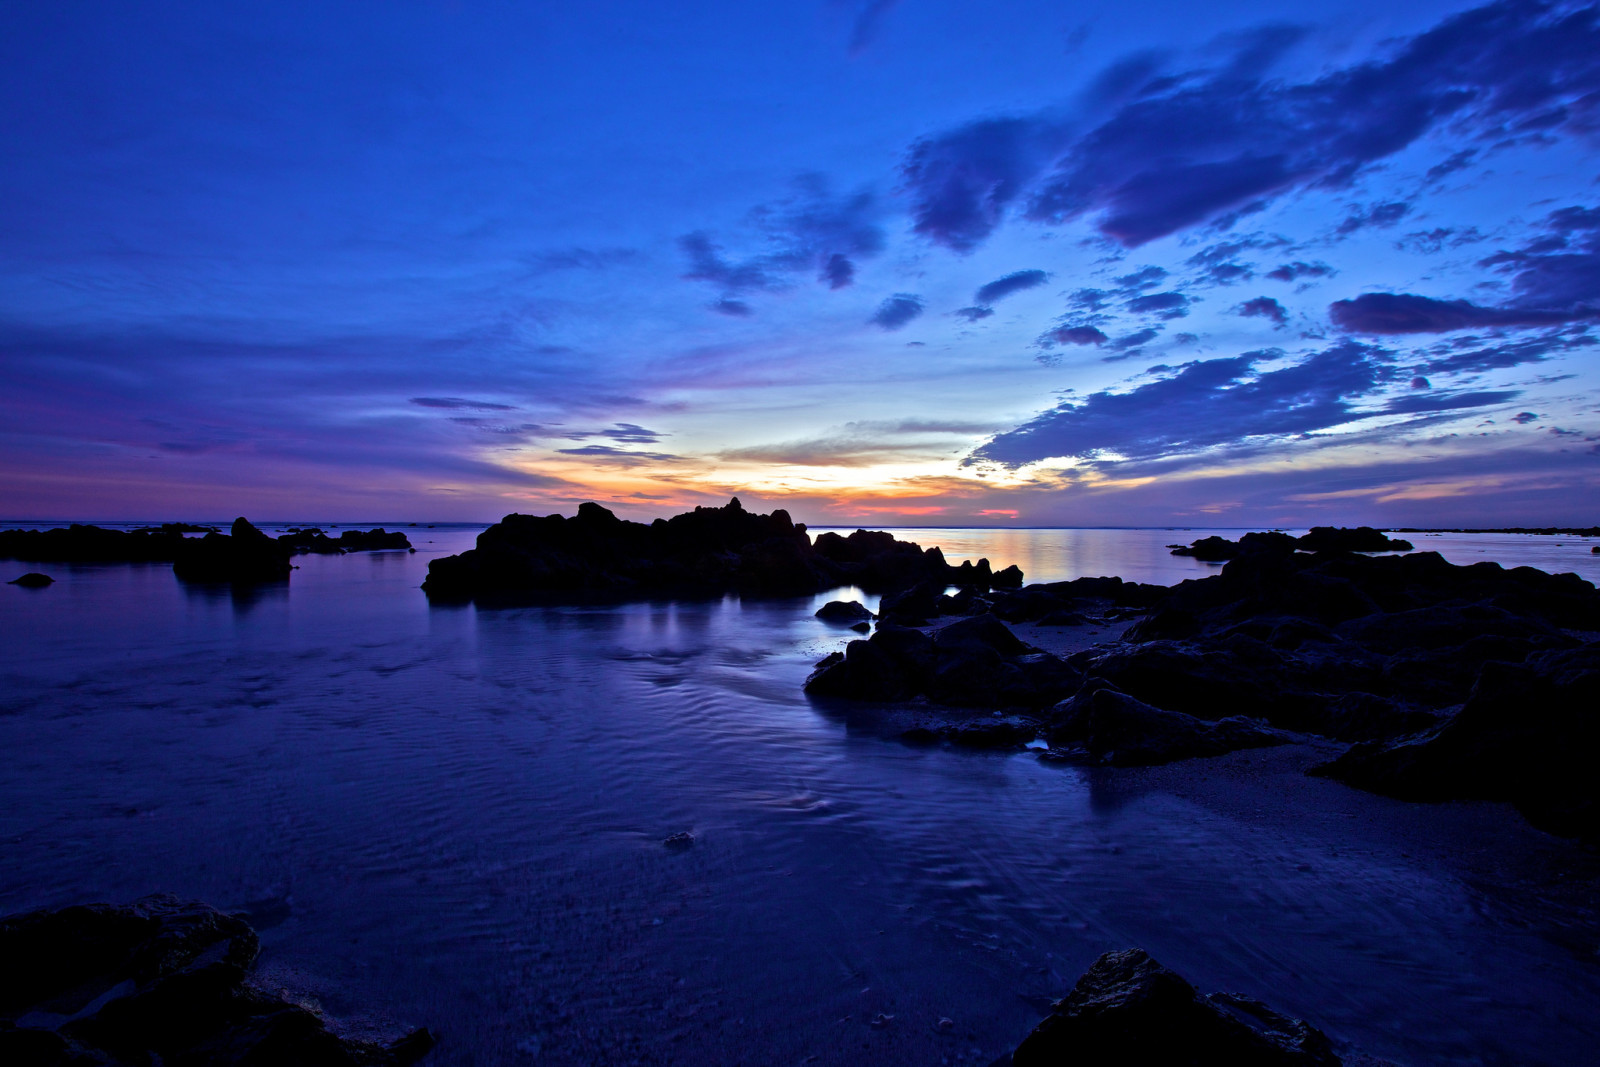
1266, 308
1142, 279
458, 404
1288, 272
1560, 267
973, 314
1417, 403
1402, 313
813, 231
1162, 305
619, 457
1460, 161
896, 311
1200, 405
1381, 216
1076, 335
1135, 339
1014, 282
1419, 382
625, 432
1471, 356
1091, 299
737, 309
1183, 147
1432, 242
1522, 418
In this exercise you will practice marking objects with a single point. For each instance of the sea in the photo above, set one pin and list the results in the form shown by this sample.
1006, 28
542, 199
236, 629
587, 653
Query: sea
454, 817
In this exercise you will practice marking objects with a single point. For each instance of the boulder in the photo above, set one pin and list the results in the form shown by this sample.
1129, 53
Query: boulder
1128, 1009
157, 981
1117, 729
243, 556
846, 612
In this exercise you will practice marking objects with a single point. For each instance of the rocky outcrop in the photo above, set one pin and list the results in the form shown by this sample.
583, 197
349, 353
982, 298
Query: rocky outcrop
312, 539
157, 981
704, 552
1128, 1009
1111, 727
1320, 539
243, 556
1527, 734
972, 663
92, 544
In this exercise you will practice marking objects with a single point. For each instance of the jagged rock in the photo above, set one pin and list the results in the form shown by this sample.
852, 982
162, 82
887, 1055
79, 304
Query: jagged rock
33, 580
159, 980
1117, 729
975, 663
1527, 734
1128, 1009
243, 556
705, 552
844, 611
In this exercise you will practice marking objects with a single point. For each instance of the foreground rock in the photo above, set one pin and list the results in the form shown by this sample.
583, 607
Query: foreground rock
846, 612
1128, 1009
158, 981
1114, 728
704, 552
243, 556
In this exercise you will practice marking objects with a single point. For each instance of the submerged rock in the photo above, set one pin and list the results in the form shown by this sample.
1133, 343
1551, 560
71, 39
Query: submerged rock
1128, 1009
243, 556
33, 580
157, 981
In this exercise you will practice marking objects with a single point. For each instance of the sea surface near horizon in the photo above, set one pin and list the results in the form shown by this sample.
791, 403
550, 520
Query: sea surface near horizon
453, 817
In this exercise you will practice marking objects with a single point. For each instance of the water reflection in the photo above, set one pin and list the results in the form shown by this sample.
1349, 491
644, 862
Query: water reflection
243, 597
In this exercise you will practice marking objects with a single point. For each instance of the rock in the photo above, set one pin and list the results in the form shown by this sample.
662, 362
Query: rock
877, 562
1117, 729
1010, 578
244, 556
1527, 734
1343, 539
1063, 618
33, 580
862, 627
844, 611
679, 841
913, 606
159, 980
974, 662
372, 540
1216, 549
1128, 1009
93, 544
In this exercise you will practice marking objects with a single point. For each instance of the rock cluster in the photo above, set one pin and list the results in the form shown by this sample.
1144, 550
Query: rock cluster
1129, 1009
312, 539
244, 555
1472, 682
704, 552
158, 981
1321, 539
93, 544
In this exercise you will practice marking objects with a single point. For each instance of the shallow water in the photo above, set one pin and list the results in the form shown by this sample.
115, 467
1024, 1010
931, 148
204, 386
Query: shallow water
453, 817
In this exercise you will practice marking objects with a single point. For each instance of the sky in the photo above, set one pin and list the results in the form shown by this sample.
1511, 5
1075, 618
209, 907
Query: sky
875, 262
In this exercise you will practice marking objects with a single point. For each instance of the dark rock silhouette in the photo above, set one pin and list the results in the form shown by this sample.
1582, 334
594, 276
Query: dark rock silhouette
33, 580
1216, 549
704, 552
93, 544
118, 986
1115, 728
312, 539
1128, 1009
243, 556
848, 612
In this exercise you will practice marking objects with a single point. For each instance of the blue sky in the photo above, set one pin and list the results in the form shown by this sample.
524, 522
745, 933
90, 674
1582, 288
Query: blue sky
892, 262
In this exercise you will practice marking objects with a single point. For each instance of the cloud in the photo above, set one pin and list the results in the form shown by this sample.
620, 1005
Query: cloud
813, 231
1469, 356
1200, 405
1266, 308
973, 314
736, 309
1288, 272
869, 24
1076, 335
1134, 340
1161, 305
625, 432
455, 403
896, 311
1183, 147
1381, 216
1403, 313
579, 259
620, 457
1432, 242
1522, 418
1416, 403
1014, 282
1142, 279
1560, 267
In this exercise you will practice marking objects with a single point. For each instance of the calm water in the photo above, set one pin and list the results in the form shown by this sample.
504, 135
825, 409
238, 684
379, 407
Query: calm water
453, 817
